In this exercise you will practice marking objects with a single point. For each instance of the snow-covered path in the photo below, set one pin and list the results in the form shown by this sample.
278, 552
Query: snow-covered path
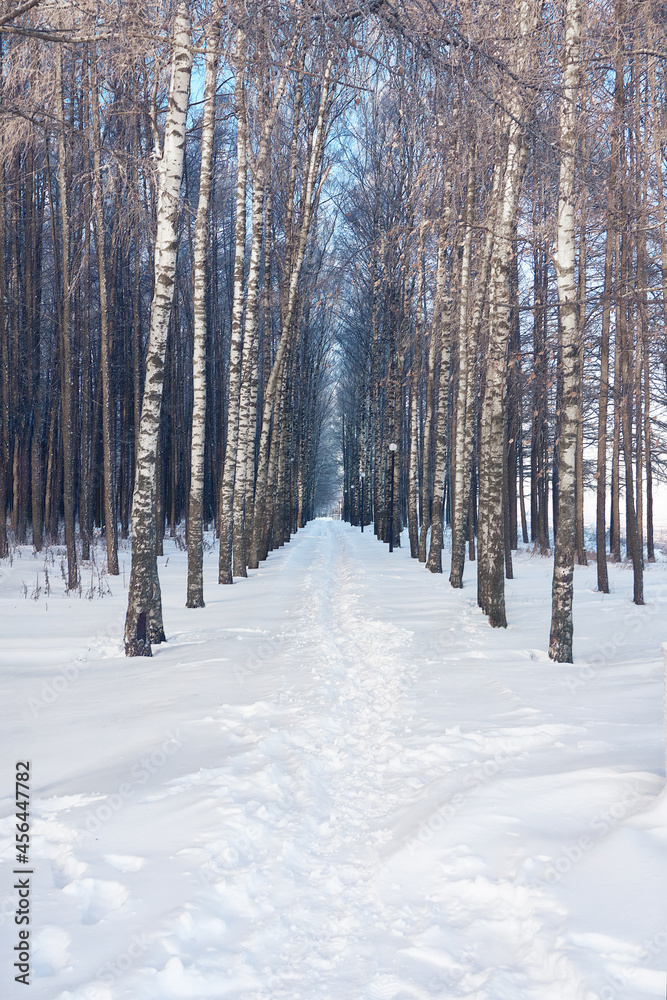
337, 783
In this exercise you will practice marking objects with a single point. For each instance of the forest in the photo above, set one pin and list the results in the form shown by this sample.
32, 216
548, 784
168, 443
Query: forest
263, 258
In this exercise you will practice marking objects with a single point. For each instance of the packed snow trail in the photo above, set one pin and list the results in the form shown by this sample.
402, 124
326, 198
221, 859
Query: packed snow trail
337, 783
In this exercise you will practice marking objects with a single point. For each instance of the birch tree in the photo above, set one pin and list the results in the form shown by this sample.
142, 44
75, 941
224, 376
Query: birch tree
66, 379
468, 335
311, 194
243, 357
195, 531
143, 623
491, 559
442, 311
226, 517
110, 515
560, 639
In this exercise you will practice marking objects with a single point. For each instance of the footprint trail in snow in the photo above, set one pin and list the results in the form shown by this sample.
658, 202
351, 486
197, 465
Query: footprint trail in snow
371, 810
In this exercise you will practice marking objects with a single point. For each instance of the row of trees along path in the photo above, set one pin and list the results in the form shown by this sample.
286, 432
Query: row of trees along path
241, 242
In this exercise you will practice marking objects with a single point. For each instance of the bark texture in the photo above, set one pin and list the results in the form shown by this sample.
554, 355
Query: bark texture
560, 639
226, 520
195, 525
143, 622
491, 554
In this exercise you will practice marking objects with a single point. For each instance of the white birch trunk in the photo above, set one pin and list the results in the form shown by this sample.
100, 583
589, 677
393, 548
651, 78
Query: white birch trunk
233, 558
426, 452
464, 401
144, 611
413, 484
226, 517
246, 443
474, 329
442, 333
251, 548
413, 472
560, 641
309, 200
491, 553
253, 392
195, 533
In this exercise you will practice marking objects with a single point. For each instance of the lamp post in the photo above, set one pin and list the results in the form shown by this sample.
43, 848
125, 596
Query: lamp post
361, 503
392, 448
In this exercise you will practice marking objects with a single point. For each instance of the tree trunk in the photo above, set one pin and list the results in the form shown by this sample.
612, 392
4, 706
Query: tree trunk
650, 545
603, 406
442, 333
195, 524
144, 611
427, 447
413, 482
226, 517
108, 446
66, 373
615, 517
490, 555
469, 335
580, 528
5, 408
261, 525
245, 459
627, 383
560, 640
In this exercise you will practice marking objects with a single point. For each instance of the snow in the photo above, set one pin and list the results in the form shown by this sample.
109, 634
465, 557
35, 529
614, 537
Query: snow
336, 782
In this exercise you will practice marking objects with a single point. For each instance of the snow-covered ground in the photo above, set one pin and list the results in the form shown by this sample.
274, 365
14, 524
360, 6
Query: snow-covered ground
335, 782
